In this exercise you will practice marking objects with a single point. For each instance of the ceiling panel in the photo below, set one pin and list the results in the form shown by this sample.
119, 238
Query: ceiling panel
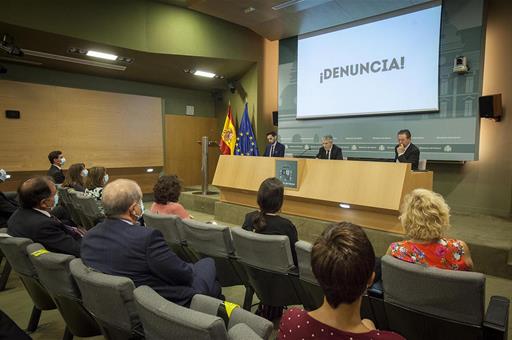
163, 69
299, 17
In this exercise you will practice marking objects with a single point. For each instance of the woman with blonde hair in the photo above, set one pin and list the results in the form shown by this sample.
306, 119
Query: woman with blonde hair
425, 217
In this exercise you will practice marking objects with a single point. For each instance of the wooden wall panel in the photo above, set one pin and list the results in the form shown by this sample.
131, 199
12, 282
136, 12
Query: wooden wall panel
98, 128
183, 153
145, 180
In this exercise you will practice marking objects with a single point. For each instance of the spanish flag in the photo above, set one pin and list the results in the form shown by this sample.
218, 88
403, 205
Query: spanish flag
228, 135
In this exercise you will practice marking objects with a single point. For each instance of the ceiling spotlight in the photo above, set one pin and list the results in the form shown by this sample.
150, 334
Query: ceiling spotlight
150, 170
344, 205
101, 55
204, 74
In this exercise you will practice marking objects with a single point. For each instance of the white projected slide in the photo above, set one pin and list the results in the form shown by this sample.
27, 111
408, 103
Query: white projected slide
386, 66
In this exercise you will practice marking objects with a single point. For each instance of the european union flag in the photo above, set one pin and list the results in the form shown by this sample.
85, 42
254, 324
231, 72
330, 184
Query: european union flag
245, 140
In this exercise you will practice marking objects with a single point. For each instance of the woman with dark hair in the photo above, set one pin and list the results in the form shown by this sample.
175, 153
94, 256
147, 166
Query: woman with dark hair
342, 260
266, 220
96, 180
75, 177
167, 193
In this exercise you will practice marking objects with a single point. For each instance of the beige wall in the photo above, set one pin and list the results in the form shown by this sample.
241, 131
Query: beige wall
485, 186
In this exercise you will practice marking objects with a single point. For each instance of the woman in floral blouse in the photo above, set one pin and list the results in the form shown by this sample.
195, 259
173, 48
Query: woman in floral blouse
425, 217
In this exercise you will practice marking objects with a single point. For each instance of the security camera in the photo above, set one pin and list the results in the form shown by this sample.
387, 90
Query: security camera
232, 86
7, 45
460, 65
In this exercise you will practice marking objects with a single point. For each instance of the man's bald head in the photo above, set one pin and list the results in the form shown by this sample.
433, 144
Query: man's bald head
119, 195
34, 190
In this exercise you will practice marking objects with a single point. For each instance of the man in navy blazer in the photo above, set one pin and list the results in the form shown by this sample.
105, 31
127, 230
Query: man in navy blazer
274, 148
120, 246
36, 218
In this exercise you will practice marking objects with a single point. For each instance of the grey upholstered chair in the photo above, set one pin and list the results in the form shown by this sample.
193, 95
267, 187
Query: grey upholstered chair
170, 226
53, 272
430, 303
89, 210
268, 262
6, 271
312, 295
110, 300
210, 240
14, 249
163, 319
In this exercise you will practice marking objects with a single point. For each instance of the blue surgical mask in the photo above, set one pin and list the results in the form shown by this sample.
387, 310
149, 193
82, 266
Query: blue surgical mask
56, 199
85, 172
62, 161
105, 179
3, 175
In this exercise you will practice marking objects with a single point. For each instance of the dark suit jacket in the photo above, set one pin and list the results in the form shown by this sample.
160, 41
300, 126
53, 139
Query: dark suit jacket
48, 231
336, 153
7, 207
278, 150
56, 174
411, 155
117, 248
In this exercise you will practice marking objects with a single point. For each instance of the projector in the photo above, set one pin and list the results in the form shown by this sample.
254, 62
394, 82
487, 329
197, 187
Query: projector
460, 65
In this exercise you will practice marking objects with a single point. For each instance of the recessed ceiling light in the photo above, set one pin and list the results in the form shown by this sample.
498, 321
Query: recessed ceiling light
150, 170
344, 205
101, 55
7, 176
204, 74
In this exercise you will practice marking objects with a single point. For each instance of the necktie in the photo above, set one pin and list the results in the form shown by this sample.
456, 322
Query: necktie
329, 154
272, 150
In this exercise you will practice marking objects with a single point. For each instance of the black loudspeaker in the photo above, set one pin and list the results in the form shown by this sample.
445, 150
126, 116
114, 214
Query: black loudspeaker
12, 114
275, 118
490, 106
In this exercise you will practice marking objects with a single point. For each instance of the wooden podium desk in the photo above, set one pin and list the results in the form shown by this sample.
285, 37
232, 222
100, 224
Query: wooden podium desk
374, 190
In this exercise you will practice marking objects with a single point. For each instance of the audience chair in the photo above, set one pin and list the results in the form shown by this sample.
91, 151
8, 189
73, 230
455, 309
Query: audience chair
14, 249
312, 295
89, 210
65, 201
110, 300
268, 262
76, 202
207, 318
53, 272
6, 271
170, 226
215, 241
430, 303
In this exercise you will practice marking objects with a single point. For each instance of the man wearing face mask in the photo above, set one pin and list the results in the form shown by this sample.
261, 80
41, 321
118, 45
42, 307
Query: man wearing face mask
8, 205
121, 246
33, 220
57, 160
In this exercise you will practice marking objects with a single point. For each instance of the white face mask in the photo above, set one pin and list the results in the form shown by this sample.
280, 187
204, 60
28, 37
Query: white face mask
3, 175
85, 172
105, 179
62, 161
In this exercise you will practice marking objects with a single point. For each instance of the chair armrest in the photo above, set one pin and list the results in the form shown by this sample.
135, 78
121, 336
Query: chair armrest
242, 332
496, 316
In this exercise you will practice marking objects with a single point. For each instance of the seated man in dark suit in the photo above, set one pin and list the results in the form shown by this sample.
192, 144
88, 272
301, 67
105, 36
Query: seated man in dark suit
329, 150
38, 196
405, 151
57, 160
8, 205
120, 246
274, 148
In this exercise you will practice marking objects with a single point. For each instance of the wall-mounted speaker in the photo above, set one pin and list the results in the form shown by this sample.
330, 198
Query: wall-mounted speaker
12, 114
490, 107
275, 118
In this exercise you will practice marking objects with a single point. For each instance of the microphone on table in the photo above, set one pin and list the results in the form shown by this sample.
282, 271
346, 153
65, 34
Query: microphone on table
306, 148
